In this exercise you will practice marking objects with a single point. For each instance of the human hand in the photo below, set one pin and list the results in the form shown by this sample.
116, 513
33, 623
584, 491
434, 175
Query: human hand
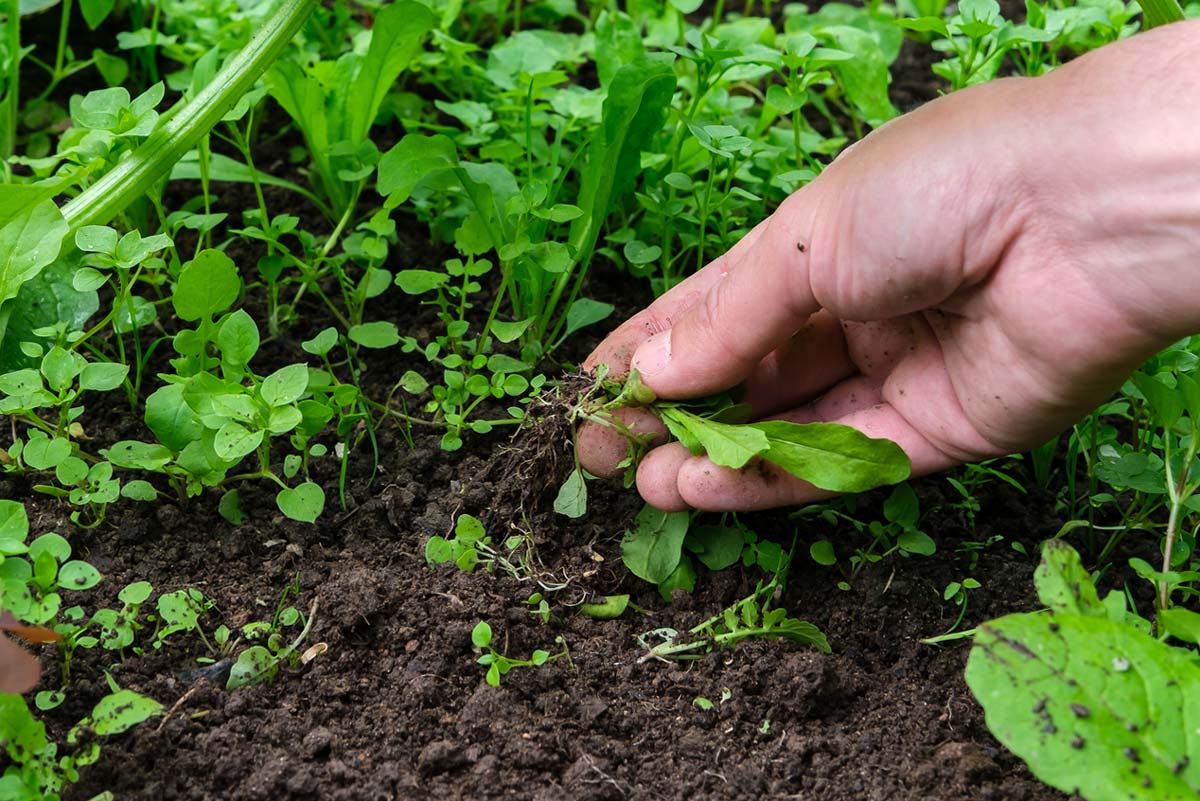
966, 281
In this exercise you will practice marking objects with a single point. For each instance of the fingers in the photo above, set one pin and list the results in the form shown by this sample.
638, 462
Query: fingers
601, 448
681, 481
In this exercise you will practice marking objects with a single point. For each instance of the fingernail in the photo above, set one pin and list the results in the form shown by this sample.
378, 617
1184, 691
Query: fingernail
653, 356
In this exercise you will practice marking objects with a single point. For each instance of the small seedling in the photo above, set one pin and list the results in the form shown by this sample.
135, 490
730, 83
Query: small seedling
499, 664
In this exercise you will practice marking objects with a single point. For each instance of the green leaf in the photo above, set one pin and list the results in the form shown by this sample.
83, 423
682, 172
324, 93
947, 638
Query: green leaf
571, 500
508, 332
255, 665
653, 547
285, 385
380, 334
918, 542
121, 711
417, 282
47, 300
396, 34
322, 343
102, 376
481, 635
77, 575
207, 285
834, 457
683, 577
43, 453
304, 503
139, 490
610, 607
171, 419
1165, 402
238, 338
14, 527
60, 366
29, 242
1182, 624
234, 441
584, 312
1062, 582
717, 547
413, 159
726, 445
635, 108
822, 553
1095, 707
230, 508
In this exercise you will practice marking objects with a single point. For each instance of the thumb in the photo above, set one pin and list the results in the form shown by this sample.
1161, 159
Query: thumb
760, 298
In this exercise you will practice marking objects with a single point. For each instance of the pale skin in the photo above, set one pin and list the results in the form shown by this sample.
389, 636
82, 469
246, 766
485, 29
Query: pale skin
968, 280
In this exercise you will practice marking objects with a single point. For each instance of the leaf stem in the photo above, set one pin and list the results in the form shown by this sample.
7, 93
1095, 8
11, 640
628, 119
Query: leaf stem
152, 161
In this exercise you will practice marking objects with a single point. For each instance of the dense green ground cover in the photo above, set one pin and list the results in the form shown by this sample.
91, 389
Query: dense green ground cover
177, 201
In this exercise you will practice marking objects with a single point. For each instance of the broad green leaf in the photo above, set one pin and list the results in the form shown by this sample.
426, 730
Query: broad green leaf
255, 665
726, 445
43, 453
717, 547
571, 500
238, 338
822, 553
1166, 403
285, 385
639, 96
508, 332
14, 527
207, 285
139, 490
171, 419
133, 455
304, 503
16, 199
1095, 707
322, 343
29, 242
47, 300
481, 635
122, 710
918, 542
379, 334
102, 376
416, 282
233, 441
60, 366
413, 159
584, 312
653, 547
833, 456
77, 575
223, 168
1182, 624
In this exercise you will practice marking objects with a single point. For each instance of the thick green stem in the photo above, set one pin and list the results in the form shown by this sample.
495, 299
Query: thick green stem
12, 81
133, 177
1160, 12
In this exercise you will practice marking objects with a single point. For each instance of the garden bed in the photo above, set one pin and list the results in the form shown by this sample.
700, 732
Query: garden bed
389, 700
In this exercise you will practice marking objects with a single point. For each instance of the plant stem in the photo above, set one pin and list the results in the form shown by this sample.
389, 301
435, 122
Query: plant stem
136, 175
1160, 12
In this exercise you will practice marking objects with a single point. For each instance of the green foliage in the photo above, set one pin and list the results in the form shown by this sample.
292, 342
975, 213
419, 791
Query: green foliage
498, 665
1093, 703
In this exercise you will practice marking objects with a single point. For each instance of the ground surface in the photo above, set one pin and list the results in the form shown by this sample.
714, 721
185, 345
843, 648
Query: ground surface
397, 707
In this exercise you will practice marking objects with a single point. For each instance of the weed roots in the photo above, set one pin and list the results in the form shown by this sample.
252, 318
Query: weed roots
529, 470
